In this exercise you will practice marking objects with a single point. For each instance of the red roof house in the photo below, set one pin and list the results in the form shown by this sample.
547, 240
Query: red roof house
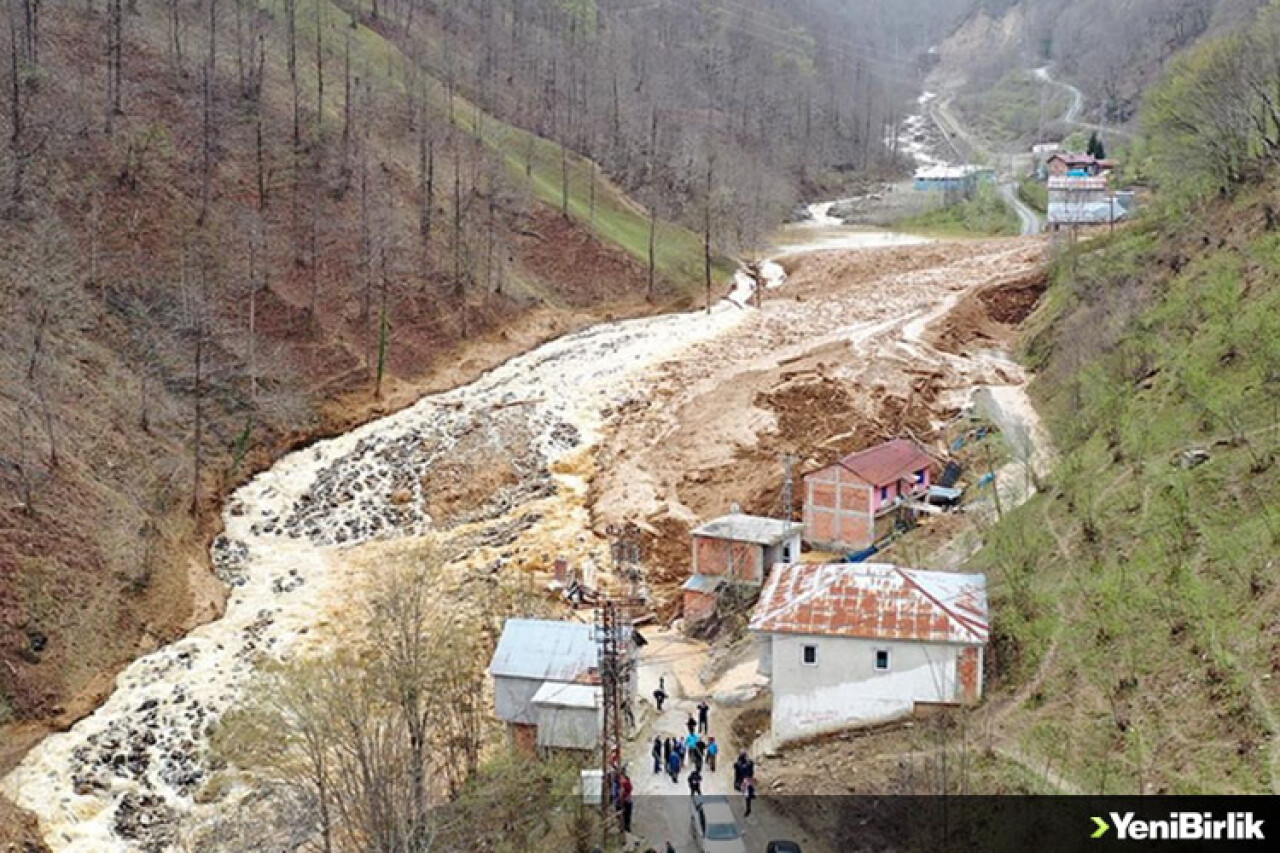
847, 502
856, 643
1064, 162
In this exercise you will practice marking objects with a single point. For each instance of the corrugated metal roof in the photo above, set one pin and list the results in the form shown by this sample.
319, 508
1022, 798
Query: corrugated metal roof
703, 583
544, 649
887, 463
758, 530
557, 694
874, 601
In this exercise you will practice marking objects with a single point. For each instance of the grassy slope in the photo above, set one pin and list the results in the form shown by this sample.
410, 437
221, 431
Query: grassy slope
1014, 109
614, 217
984, 215
1136, 601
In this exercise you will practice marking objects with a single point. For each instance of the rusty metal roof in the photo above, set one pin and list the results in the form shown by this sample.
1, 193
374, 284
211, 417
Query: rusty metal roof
887, 463
545, 649
874, 601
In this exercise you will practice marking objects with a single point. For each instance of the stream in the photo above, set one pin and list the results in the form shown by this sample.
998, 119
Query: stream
125, 777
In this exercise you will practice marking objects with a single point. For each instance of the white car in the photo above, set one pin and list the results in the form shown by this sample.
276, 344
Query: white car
714, 827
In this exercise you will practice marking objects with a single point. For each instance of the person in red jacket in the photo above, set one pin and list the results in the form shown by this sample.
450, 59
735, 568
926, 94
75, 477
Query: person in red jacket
625, 796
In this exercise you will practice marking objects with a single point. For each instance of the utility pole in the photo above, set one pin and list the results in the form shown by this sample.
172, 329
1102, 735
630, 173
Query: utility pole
614, 625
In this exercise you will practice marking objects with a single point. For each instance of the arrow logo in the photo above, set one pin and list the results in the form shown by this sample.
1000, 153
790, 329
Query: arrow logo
1102, 828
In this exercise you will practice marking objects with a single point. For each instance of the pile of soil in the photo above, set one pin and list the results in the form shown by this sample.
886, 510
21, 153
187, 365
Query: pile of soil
989, 316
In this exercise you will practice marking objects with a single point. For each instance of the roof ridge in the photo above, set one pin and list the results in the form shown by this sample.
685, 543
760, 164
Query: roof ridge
970, 625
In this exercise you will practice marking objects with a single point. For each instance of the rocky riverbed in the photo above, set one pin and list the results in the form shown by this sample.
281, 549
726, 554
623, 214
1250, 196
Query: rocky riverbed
130, 776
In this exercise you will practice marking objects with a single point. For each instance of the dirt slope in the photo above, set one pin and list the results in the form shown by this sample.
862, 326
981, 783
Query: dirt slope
838, 359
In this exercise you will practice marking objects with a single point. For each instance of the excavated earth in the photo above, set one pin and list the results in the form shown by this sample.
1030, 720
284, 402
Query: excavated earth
659, 422
855, 347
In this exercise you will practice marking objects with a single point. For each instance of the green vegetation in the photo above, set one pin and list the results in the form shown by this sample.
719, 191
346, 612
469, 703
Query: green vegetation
1137, 597
1034, 193
1148, 567
602, 207
985, 214
1214, 123
1014, 110
537, 163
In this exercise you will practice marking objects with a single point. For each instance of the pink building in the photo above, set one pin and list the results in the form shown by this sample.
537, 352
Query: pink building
851, 504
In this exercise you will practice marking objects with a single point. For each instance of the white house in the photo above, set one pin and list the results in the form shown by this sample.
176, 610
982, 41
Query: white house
852, 644
534, 661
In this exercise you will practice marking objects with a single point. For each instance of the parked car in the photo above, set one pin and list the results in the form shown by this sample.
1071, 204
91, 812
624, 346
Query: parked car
714, 828
781, 846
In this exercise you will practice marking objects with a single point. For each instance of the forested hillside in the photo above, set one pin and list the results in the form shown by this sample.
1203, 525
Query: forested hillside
1112, 51
232, 225
1137, 607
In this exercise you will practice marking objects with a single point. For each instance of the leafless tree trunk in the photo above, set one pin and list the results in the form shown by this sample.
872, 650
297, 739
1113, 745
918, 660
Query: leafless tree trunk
115, 51
206, 147
706, 226
459, 283
319, 68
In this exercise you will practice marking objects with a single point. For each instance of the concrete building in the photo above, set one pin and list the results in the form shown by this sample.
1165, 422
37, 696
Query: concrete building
851, 504
534, 654
735, 548
854, 644
742, 548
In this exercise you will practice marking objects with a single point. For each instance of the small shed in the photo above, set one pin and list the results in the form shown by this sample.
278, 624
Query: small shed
850, 504
736, 548
570, 716
533, 653
701, 592
856, 644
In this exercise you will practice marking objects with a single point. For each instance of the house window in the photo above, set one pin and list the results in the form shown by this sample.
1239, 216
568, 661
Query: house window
884, 493
882, 660
809, 654
920, 476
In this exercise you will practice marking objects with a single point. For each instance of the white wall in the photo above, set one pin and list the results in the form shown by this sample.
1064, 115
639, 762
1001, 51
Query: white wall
844, 689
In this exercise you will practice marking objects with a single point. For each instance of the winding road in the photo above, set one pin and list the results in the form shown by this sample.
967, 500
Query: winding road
1027, 218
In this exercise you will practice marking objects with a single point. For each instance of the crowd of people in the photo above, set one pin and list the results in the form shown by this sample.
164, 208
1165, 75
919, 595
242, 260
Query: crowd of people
696, 750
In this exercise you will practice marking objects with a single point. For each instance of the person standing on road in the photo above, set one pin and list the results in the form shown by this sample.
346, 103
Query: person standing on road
695, 784
739, 771
666, 751
749, 793
673, 766
713, 749
691, 724
660, 695
627, 803
704, 714
657, 754
695, 756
